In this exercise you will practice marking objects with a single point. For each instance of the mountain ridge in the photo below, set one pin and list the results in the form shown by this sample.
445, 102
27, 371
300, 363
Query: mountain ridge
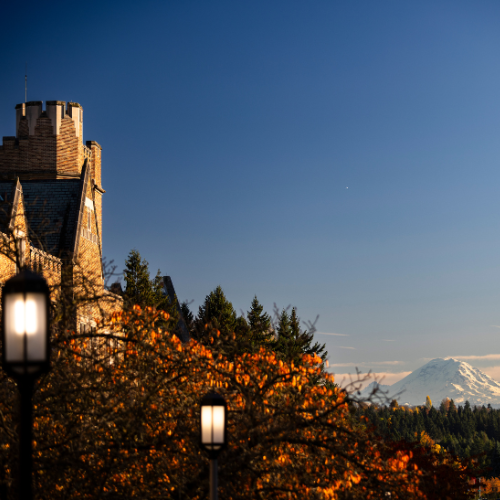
441, 378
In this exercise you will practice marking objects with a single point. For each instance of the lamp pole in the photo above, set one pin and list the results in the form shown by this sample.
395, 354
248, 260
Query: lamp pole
213, 433
26, 439
25, 356
214, 487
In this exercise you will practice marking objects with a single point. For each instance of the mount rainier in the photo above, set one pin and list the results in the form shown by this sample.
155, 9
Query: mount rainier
443, 378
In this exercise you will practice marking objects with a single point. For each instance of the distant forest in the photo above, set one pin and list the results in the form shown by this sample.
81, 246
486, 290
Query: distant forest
463, 430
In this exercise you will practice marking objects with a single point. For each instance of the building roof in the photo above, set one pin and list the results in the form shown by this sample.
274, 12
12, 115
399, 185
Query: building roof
51, 207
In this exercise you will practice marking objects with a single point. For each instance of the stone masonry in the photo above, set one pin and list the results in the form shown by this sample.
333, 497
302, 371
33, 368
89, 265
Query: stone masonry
51, 199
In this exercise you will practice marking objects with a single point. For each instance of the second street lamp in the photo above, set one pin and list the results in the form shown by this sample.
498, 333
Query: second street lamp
213, 433
25, 355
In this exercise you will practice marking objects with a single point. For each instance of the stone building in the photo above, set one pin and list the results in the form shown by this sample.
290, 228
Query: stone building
51, 200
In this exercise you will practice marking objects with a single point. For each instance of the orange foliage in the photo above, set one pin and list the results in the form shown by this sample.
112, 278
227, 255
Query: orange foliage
122, 421
492, 487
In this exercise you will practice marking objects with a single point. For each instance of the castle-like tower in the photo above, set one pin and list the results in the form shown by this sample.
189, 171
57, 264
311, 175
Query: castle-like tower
49, 145
51, 193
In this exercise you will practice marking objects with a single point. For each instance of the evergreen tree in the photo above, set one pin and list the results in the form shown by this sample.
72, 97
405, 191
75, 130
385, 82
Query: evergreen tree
289, 341
138, 289
292, 341
259, 323
284, 328
295, 326
217, 310
284, 333
494, 459
188, 316
141, 290
452, 408
158, 297
160, 300
217, 313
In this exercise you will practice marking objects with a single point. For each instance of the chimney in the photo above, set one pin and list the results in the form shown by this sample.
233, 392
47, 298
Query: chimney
75, 111
55, 111
20, 112
95, 162
33, 112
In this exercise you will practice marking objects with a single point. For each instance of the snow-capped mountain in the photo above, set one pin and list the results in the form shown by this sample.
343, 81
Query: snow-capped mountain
444, 378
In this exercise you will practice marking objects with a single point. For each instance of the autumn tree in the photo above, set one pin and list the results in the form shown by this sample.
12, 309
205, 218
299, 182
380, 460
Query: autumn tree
445, 405
120, 420
428, 402
491, 488
117, 417
394, 404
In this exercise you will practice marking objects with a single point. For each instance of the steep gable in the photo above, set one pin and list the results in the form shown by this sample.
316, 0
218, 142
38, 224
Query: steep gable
87, 243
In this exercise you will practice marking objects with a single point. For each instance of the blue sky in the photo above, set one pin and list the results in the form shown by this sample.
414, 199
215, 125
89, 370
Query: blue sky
341, 157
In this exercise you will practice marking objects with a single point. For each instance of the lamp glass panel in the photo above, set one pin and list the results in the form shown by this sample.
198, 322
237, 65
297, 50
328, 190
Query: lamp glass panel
218, 424
19, 315
206, 424
25, 316
36, 326
14, 327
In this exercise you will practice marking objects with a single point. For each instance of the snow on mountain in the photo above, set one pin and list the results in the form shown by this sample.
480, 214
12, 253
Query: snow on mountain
444, 378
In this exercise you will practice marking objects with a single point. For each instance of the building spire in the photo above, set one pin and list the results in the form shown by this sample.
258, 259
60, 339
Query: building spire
26, 84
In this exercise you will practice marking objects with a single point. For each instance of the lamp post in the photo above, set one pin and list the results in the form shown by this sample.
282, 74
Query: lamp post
213, 433
26, 355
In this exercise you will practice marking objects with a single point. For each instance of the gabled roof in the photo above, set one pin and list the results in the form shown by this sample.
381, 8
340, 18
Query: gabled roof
51, 207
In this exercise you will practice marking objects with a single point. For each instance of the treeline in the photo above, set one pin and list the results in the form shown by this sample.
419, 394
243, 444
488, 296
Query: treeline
462, 430
282, 333
118, 414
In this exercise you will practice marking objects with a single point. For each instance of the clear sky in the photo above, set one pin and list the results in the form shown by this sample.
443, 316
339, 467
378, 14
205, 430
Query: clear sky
341, 157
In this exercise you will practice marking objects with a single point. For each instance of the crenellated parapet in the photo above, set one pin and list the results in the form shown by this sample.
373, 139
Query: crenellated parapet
49, 143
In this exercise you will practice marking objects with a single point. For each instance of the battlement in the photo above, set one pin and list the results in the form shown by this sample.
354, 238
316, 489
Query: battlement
55, 110
49, 143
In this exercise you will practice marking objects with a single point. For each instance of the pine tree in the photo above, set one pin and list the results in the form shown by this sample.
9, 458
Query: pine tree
141, 290
452, 408
295, 325
218, 310
293, 342
158, 297
217, 313
259, 324
138, 289
305, 339
284, 332
188, 316
494, 456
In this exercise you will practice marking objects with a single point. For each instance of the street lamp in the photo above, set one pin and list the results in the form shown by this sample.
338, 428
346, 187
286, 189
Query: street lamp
26, 354
213, 433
